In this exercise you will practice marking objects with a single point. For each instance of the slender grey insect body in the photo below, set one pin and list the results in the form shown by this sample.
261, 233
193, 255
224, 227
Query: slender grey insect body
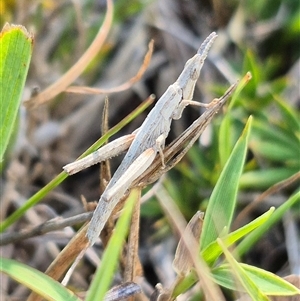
149, 138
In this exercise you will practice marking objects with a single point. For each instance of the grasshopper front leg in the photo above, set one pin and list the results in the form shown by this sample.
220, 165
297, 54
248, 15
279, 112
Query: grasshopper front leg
106, 152
113, 194
184, 103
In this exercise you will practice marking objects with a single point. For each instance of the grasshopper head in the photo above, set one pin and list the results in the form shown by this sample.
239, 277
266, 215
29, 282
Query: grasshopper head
191, 72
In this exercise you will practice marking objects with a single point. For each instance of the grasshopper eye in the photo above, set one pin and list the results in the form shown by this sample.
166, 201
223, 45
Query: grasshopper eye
194, 74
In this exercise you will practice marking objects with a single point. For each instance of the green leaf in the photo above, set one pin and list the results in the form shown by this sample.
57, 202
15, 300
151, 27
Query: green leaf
37, 281
274, 142
263, 179
15, 53
222, 202
243, 278
213, 251
185, 283
104, 273
253, 237
268, 283
290, 115
251, 63
274, 150
226, 127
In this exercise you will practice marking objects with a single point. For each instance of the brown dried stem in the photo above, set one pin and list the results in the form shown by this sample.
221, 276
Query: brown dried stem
62, 83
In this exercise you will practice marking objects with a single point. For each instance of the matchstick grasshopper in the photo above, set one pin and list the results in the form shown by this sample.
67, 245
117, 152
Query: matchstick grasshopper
146, 142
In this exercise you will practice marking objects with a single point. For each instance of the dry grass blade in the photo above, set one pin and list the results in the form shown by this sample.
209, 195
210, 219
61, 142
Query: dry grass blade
182, 263
62, 83
105, 165
133, 265
211, 290
122, 87
49, 226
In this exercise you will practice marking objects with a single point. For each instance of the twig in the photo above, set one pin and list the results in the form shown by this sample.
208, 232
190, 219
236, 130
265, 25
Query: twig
62, 83
52, 225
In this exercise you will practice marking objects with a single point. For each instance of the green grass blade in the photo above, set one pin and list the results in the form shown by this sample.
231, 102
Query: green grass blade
253, 237
268, 283
63, 175
291, 116
213, 251
15, 53
104, 274
265, 178
225, 137
275, 133
37, 281
222, 202
275, 151
243, 279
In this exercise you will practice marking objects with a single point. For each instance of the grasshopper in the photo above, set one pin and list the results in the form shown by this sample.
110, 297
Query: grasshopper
144, 143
